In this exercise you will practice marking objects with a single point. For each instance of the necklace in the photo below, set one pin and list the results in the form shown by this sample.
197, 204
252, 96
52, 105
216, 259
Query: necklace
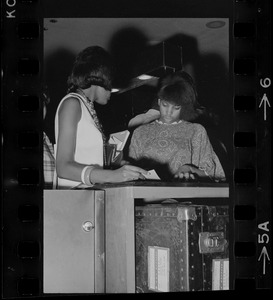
90, 106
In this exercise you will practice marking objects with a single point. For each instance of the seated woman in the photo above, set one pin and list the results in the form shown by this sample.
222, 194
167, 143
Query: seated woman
172, 145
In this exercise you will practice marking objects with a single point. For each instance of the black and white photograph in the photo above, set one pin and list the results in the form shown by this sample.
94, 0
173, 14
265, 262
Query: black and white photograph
153, 176
141, 109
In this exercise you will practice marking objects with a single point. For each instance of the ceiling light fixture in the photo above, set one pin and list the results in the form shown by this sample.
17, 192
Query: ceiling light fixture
144, 77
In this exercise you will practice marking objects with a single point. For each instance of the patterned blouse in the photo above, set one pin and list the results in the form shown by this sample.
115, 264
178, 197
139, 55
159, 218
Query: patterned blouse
167, 147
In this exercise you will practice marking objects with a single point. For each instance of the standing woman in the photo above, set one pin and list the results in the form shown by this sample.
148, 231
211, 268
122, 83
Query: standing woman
78, 132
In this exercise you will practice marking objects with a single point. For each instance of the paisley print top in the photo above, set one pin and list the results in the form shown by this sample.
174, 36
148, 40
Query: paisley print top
167, 147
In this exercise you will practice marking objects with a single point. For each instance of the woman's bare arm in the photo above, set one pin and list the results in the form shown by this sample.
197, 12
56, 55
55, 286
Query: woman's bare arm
69, 116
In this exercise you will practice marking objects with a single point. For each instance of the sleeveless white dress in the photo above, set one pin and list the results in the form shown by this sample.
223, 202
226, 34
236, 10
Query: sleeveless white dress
89, 141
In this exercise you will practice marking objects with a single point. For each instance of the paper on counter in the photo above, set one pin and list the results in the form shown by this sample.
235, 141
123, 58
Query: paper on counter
152, 175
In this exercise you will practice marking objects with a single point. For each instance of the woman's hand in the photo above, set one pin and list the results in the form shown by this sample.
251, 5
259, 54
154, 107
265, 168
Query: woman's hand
129, 173
189, 172
122, 174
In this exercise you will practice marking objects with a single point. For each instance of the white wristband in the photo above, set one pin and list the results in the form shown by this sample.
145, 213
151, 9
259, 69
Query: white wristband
87, 176
83, 174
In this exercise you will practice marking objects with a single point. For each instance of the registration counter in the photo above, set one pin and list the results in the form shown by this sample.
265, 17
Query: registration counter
89, 234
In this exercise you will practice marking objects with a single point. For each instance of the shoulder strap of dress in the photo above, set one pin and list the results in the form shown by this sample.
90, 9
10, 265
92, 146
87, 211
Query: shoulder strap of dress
75, 95
80, 97
91, 112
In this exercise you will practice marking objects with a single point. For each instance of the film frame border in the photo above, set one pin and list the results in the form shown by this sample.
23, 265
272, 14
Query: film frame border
23, 184
253, 267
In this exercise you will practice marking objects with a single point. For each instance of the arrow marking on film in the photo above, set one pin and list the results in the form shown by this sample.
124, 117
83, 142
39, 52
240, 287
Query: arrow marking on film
264, 254
264, 102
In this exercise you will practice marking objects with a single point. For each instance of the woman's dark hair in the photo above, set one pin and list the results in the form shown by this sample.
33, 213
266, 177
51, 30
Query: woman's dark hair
179, 88
93, 66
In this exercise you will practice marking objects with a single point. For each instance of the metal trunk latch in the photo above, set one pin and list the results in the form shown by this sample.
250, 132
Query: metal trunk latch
211, 242
186, 213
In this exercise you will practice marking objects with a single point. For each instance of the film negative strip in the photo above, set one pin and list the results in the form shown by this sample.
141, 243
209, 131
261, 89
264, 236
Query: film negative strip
37, 51
251, 125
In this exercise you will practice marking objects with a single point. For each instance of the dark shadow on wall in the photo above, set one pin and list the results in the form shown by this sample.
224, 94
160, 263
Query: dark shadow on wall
57, 68
125, 45
215, 94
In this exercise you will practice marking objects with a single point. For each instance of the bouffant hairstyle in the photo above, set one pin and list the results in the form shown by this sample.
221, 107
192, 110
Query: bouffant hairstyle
179, 88
92, 66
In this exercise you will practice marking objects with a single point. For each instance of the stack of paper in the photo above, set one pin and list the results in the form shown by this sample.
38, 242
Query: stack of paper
119, 138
